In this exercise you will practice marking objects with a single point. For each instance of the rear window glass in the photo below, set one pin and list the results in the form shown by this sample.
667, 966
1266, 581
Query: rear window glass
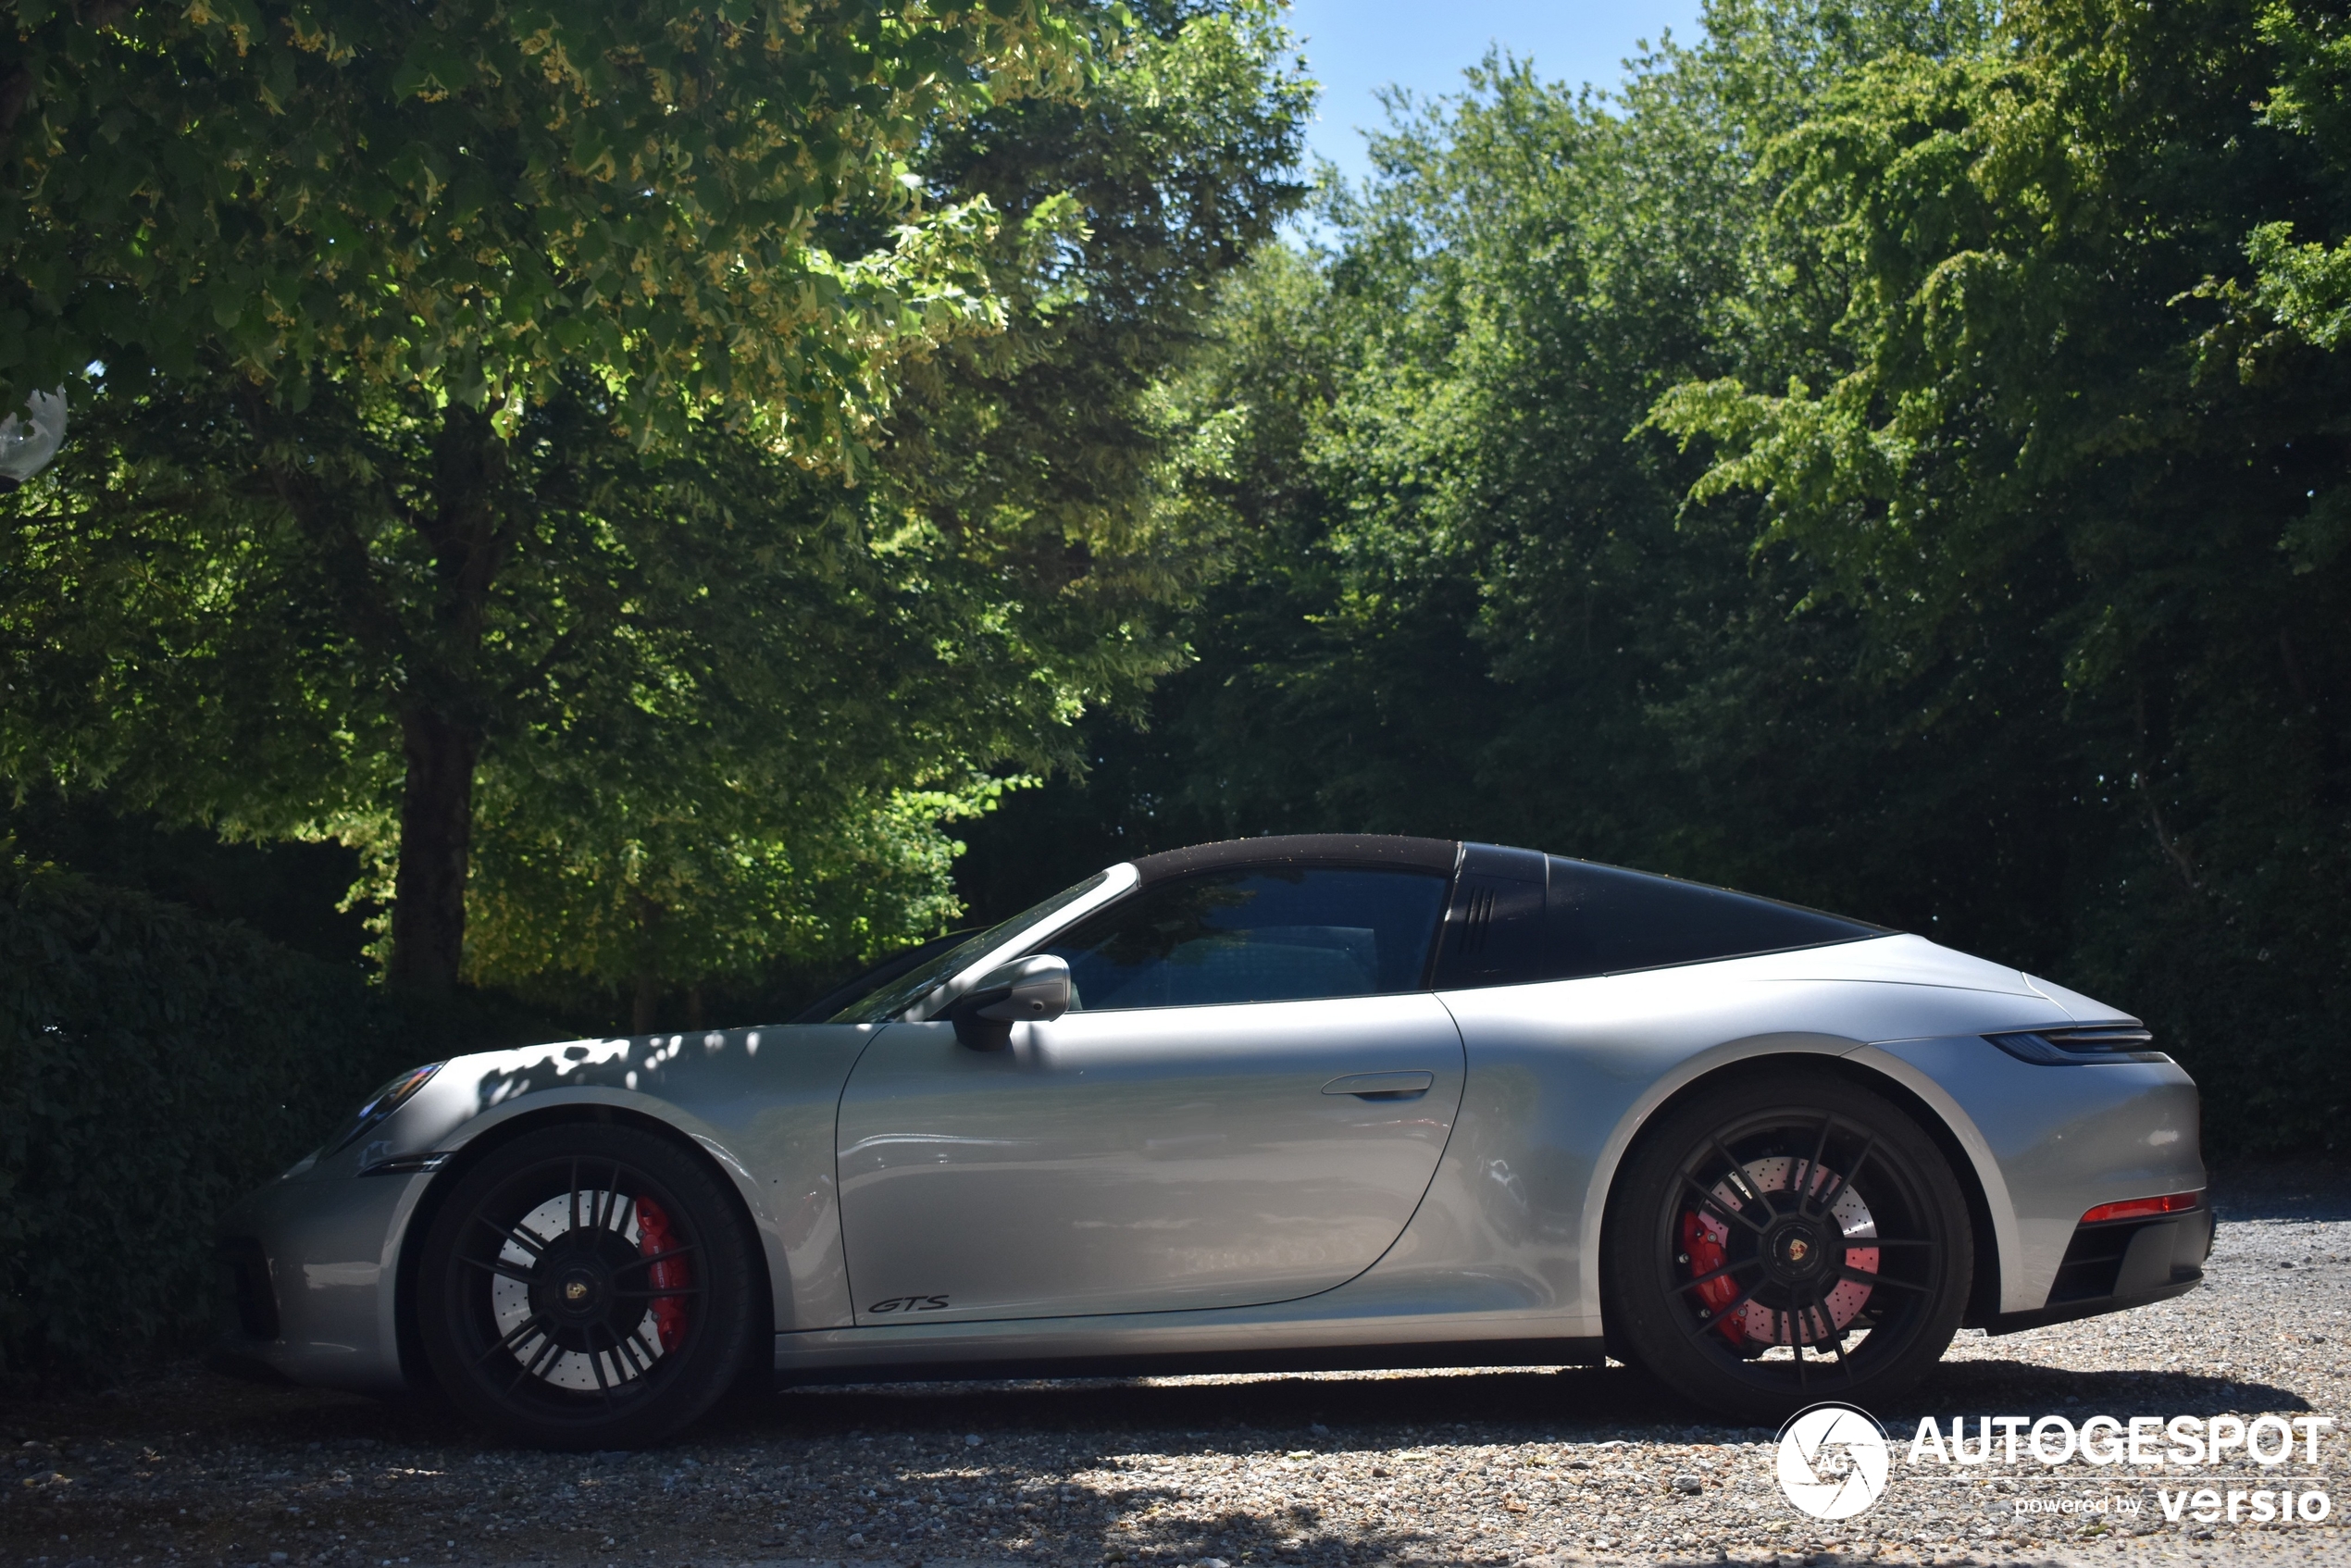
1602, 920
1518, 917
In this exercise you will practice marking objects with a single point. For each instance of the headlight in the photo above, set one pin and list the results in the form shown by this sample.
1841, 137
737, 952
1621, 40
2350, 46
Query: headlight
380, 1104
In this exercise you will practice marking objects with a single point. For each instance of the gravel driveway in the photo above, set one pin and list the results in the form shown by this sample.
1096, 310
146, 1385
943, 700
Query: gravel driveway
1468, 1467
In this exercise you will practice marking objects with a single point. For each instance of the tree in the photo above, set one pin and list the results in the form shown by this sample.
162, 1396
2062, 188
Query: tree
688, 672
428, 219
1469, 602
2081, 353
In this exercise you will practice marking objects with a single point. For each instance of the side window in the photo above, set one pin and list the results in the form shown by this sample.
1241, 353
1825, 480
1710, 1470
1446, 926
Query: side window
1604, 920
1276, 934
1516, 919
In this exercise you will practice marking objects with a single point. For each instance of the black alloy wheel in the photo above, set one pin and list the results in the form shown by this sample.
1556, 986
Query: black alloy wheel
586, 1286
1773, 1242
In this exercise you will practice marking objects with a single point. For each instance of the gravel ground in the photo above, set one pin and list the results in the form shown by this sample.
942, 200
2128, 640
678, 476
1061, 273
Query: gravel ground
1568, 1465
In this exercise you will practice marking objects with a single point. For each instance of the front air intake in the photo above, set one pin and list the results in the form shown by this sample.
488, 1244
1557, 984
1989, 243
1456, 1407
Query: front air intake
248, 1298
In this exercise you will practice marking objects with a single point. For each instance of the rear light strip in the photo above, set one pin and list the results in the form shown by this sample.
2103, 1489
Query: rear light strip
2071, 1044
2144, 1208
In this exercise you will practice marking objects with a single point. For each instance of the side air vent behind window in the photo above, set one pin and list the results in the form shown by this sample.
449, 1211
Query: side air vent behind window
1494, 928
1477, 923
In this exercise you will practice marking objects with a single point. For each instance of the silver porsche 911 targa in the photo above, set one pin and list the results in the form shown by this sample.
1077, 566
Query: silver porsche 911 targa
1297, 1104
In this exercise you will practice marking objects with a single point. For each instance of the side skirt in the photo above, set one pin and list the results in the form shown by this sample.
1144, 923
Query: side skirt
1184, 1364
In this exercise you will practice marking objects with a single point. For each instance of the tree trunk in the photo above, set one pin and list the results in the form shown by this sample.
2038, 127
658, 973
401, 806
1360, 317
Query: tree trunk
436, 842
441, 722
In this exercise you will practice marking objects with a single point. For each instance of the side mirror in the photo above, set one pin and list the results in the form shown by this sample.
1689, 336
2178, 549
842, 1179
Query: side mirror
1023, 990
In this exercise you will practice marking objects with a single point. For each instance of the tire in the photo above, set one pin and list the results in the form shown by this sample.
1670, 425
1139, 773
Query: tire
586, 1286
1774, 1242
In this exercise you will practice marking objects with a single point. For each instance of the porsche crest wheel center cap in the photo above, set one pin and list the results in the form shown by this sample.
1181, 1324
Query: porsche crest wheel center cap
575, 1287
1798, 1250
579, 1292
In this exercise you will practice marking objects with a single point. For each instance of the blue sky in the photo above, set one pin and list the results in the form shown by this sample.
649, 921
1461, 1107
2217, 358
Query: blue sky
1357, 47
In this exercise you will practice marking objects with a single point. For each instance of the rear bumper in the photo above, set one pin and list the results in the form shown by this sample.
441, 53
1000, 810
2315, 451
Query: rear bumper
2125, 1264
2048, 1145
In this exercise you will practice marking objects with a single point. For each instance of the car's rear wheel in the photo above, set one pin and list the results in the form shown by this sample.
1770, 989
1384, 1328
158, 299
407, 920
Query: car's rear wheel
586, 1286
1774, 1241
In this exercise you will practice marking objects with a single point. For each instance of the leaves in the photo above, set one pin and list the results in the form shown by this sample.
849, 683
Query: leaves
709, 687
470, 201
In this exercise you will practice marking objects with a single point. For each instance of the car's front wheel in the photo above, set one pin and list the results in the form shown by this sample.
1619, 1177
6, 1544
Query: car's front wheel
586, 1286
1772, 1242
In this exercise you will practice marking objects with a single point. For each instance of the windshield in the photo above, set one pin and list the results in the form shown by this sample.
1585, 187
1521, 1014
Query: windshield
891, 1000
868, 980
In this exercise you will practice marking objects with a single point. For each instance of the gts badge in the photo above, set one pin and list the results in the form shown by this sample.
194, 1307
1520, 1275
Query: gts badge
909, 1304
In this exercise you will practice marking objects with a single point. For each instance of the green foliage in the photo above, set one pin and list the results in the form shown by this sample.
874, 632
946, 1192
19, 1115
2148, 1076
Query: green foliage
694, 695
2028, 374
1049, 438
471, 199
2305, 287
345, 273
155, 1067
698, 667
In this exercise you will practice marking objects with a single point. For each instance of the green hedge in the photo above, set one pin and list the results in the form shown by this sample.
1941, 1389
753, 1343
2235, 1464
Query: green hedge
153, 1067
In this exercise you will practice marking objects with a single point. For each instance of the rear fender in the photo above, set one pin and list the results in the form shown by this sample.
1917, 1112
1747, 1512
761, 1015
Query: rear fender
1752, 1054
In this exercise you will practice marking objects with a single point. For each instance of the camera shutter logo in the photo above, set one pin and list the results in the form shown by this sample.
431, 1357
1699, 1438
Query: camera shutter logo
1832, 1460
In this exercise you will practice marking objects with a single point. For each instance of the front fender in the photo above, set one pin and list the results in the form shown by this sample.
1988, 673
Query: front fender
593, 1101
760, 1103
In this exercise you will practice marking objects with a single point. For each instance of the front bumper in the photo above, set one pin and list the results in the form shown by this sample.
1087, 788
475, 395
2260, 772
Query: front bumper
309, 1282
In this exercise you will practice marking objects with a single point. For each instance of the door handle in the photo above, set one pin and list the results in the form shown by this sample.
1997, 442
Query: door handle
1382, 1085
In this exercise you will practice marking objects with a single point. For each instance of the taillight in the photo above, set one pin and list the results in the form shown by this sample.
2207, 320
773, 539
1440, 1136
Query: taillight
2143, 1208
2075, 1044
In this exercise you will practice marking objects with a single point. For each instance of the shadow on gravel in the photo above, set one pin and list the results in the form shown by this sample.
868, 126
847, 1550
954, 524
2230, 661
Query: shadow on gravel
189, 1402
1035, 1428
1574, 1403
1513, 1405
1975, 1387
1274, 1411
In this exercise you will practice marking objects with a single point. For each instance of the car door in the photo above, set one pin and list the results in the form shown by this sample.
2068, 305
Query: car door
1244, 1105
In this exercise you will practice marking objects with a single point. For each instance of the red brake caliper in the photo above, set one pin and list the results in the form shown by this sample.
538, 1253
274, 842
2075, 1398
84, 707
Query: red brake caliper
1706, 1255
654, 1236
